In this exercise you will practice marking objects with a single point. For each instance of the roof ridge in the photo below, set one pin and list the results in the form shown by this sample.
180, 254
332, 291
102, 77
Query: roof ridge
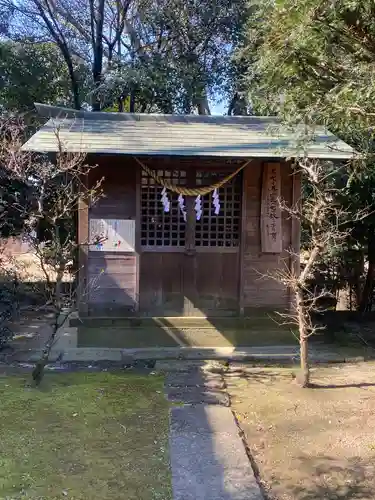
49, 111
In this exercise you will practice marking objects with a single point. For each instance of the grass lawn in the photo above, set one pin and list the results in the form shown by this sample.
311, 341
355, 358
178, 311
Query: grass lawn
309, 444
84, 436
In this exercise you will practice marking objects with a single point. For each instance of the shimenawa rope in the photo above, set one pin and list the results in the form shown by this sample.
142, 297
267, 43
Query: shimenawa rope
189, 191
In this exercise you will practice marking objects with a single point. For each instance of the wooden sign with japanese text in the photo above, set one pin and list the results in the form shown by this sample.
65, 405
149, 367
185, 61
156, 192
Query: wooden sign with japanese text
270, 223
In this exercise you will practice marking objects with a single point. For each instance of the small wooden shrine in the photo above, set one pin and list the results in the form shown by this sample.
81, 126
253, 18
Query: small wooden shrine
190, 224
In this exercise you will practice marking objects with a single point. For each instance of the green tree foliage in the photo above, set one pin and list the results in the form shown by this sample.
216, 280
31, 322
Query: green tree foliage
165, 56
32, 72
186, 49
16, 192
313, 61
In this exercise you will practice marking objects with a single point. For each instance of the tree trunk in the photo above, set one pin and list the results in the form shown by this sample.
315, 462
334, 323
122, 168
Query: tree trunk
74, 83
60, 40
369, 286
186, 106
303, 377
356, 282
132, 101
120, 104
97, 22
237, 106
203, 106
369, 283
303, 316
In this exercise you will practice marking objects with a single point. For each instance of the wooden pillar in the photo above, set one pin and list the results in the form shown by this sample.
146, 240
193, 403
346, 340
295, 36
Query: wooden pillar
190, 261
83, 249
138, 209
189, 271
241, 280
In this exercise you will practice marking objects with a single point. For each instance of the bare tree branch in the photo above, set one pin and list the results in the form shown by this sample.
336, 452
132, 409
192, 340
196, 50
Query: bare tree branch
328, 224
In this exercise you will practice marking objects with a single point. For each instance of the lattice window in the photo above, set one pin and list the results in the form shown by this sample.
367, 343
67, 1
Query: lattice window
222, 230
159, 228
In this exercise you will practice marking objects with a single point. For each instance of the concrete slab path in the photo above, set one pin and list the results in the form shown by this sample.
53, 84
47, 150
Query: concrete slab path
208, 459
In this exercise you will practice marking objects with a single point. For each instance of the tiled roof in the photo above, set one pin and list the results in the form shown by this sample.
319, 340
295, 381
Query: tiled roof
180, 135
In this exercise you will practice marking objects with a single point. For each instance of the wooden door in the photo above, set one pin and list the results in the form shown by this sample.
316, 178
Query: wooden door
214, 276
190, 267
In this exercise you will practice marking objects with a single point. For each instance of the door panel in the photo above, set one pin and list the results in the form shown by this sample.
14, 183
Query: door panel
216, 284
161, 284
177, 284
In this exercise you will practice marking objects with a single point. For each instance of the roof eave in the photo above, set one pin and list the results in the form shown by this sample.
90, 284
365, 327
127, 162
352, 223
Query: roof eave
196, 154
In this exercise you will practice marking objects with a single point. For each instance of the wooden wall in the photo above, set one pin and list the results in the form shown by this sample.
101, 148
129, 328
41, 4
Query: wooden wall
113, 276
164, 283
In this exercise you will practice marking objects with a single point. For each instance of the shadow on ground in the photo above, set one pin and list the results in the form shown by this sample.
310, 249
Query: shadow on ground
334, 479
340, 386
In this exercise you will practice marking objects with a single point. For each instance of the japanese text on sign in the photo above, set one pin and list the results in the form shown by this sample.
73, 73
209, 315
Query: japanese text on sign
270, 211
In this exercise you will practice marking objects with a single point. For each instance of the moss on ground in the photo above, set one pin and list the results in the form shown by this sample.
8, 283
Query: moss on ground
84, 435
118, 337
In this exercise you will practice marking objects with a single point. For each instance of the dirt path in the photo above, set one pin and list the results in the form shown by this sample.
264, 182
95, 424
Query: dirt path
310, 443
31, 332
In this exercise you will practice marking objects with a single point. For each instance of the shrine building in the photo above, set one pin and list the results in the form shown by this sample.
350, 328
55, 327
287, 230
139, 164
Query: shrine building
190, 223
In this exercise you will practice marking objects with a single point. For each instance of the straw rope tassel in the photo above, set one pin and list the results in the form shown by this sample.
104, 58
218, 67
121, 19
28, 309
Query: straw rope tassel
189, 191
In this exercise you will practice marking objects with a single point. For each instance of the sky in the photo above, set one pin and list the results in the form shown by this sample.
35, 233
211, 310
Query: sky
219, 109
